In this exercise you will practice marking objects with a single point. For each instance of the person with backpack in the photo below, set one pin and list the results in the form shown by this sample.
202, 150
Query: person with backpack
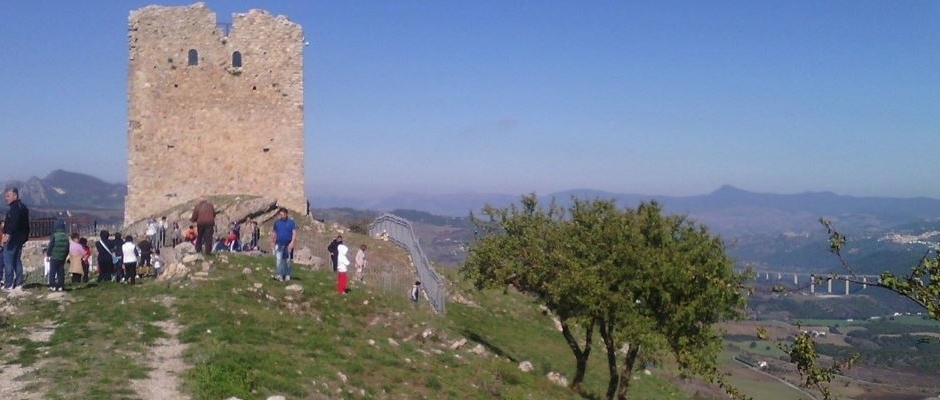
58, 252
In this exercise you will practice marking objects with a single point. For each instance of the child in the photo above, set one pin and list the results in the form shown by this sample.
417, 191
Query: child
361, 263
76, 254
86, 259
415, 291
157, 264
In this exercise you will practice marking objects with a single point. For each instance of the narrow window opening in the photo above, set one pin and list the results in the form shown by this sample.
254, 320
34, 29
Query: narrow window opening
193, 57
236, 60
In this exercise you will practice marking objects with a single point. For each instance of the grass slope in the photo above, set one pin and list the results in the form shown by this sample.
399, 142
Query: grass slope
249, 336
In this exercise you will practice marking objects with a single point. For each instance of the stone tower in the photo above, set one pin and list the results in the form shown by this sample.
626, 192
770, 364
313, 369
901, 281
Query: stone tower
213, 109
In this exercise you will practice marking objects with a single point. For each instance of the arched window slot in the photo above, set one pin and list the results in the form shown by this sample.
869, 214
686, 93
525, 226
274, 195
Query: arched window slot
254, 88
193, 58
265, 149
236, 59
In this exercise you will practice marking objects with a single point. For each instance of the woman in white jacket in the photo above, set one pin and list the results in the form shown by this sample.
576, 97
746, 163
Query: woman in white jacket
342, 265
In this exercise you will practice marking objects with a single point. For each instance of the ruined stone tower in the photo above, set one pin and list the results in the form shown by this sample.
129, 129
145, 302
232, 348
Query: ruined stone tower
213, 109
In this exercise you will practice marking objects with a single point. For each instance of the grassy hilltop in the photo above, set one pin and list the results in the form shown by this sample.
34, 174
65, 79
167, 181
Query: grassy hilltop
236, 332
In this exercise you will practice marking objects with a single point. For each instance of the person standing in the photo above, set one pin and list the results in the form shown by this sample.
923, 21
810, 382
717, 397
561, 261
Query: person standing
153, 229
282, 243
342, 265
146, 250
162, 232
332, 249
76, 253
58, 252
204, 217
86, 258
106, 257
361, 263
415, 292
15, 234
177, 235
116, 244
130, 255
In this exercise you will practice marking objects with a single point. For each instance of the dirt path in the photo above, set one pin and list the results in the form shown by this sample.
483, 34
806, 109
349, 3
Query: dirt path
166, 363
14, 378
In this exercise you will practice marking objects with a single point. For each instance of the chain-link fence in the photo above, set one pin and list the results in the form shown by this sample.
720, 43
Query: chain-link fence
399, 231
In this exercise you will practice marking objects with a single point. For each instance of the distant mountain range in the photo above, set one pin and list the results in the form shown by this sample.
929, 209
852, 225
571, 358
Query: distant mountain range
69, 191
729, 211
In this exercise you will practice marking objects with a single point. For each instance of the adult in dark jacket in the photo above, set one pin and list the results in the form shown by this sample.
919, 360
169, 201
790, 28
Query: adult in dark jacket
105, 257
116, 242
15, 234
333, 249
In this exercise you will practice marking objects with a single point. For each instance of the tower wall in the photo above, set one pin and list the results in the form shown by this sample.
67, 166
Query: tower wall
211, 127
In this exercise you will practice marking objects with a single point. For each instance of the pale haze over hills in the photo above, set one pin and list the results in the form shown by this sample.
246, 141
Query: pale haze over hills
728, 210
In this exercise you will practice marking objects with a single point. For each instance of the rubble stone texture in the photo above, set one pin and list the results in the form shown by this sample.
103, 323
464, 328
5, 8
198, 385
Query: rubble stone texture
200, 124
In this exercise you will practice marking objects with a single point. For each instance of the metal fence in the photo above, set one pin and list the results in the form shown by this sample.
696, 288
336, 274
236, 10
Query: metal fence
398, 230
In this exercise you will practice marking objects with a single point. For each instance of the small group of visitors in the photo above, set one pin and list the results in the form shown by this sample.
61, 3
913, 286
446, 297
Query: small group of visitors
340, 262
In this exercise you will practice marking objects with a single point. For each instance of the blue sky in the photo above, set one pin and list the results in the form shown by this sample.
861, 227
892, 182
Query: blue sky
670, 98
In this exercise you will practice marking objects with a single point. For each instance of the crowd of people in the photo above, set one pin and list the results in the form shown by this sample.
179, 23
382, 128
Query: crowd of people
121, 259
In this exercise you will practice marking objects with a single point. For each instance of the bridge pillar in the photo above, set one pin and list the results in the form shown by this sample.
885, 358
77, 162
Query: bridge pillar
846, 287
767, 276
779, 276
812, 284
796, 280
829, 285
865, 282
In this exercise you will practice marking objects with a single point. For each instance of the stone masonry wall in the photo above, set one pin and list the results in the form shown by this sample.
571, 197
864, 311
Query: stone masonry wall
213, 128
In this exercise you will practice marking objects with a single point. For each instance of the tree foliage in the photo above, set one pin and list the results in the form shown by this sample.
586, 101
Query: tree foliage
650, 284
921, 286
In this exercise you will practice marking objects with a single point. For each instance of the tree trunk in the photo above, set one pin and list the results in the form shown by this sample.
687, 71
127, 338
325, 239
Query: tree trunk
626, 371
607, 333
580, 356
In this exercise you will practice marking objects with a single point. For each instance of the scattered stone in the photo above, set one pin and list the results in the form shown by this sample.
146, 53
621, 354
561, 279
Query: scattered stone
342, 377
392, 342
427, 333
525, 366
246, 271
458, 344
258, 285
277, 397
557, 378
371, 342
294, 288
